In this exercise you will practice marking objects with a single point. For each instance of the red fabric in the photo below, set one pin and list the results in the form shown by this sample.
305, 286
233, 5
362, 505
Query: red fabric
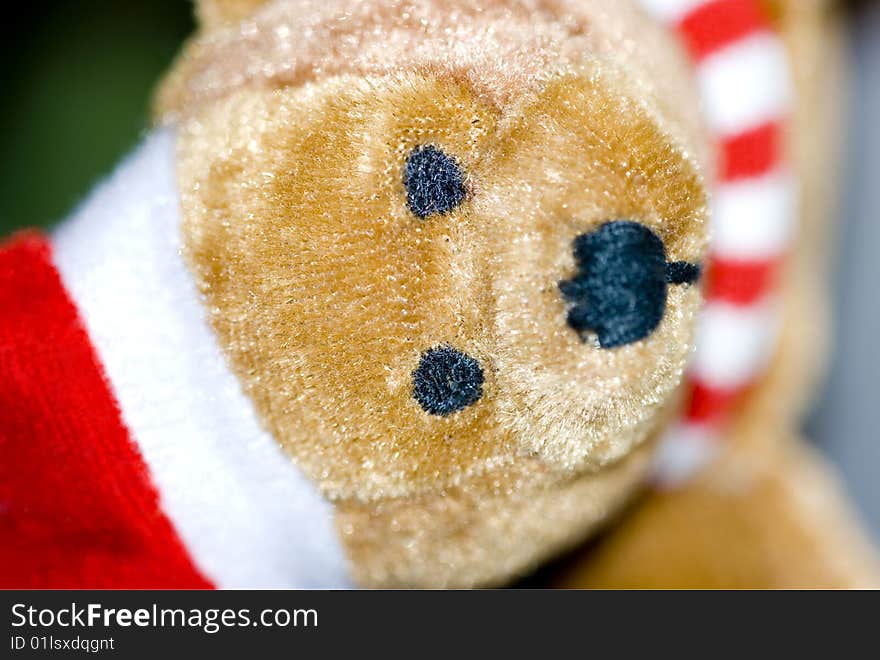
741, 282
710, 405
714, 25
77, 508
752, 153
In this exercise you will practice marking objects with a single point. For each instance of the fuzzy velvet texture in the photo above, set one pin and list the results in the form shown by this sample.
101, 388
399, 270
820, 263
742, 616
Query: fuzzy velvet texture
771, 513
328, 277
326, 289
331, 261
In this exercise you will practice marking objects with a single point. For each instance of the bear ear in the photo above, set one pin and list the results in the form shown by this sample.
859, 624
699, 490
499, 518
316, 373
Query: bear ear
214, 14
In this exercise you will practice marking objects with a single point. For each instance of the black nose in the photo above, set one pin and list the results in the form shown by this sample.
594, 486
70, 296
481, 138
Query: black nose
447, 381
619, 292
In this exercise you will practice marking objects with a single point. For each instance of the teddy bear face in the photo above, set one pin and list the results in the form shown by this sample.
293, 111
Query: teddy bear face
417, 286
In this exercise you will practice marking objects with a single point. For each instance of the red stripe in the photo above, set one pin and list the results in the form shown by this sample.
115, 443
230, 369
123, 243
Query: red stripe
711, 405
716, 24
741, 282
77, 508
752, 153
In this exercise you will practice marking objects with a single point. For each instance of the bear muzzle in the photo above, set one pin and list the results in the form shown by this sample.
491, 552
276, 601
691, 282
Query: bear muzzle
619, 293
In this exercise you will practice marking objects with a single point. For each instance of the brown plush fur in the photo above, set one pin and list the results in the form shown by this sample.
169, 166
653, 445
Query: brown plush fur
324, 289
770, 513
487, 531
216, 14
759, 518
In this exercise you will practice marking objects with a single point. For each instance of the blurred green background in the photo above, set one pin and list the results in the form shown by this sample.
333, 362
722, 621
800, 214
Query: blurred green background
77, 78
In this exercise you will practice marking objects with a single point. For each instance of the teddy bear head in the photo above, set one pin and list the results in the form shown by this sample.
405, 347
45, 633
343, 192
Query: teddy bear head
441, 240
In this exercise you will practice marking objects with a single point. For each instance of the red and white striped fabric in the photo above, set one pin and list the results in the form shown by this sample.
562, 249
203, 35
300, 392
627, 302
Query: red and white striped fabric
131, 458
743, 76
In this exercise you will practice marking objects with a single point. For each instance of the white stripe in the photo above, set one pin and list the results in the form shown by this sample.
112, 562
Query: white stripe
670, 11
745, 84
684, 449
754, 218
734, 343
247, 515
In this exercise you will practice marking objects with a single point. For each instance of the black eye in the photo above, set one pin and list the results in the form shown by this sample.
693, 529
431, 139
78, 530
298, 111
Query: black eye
434, 182
619, 292
447, 381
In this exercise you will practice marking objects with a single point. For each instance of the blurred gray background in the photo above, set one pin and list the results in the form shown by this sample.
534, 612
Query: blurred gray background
846, 421
77, 76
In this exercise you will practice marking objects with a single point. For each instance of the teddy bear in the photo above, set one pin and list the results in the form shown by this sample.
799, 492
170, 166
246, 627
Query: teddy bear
427, 293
